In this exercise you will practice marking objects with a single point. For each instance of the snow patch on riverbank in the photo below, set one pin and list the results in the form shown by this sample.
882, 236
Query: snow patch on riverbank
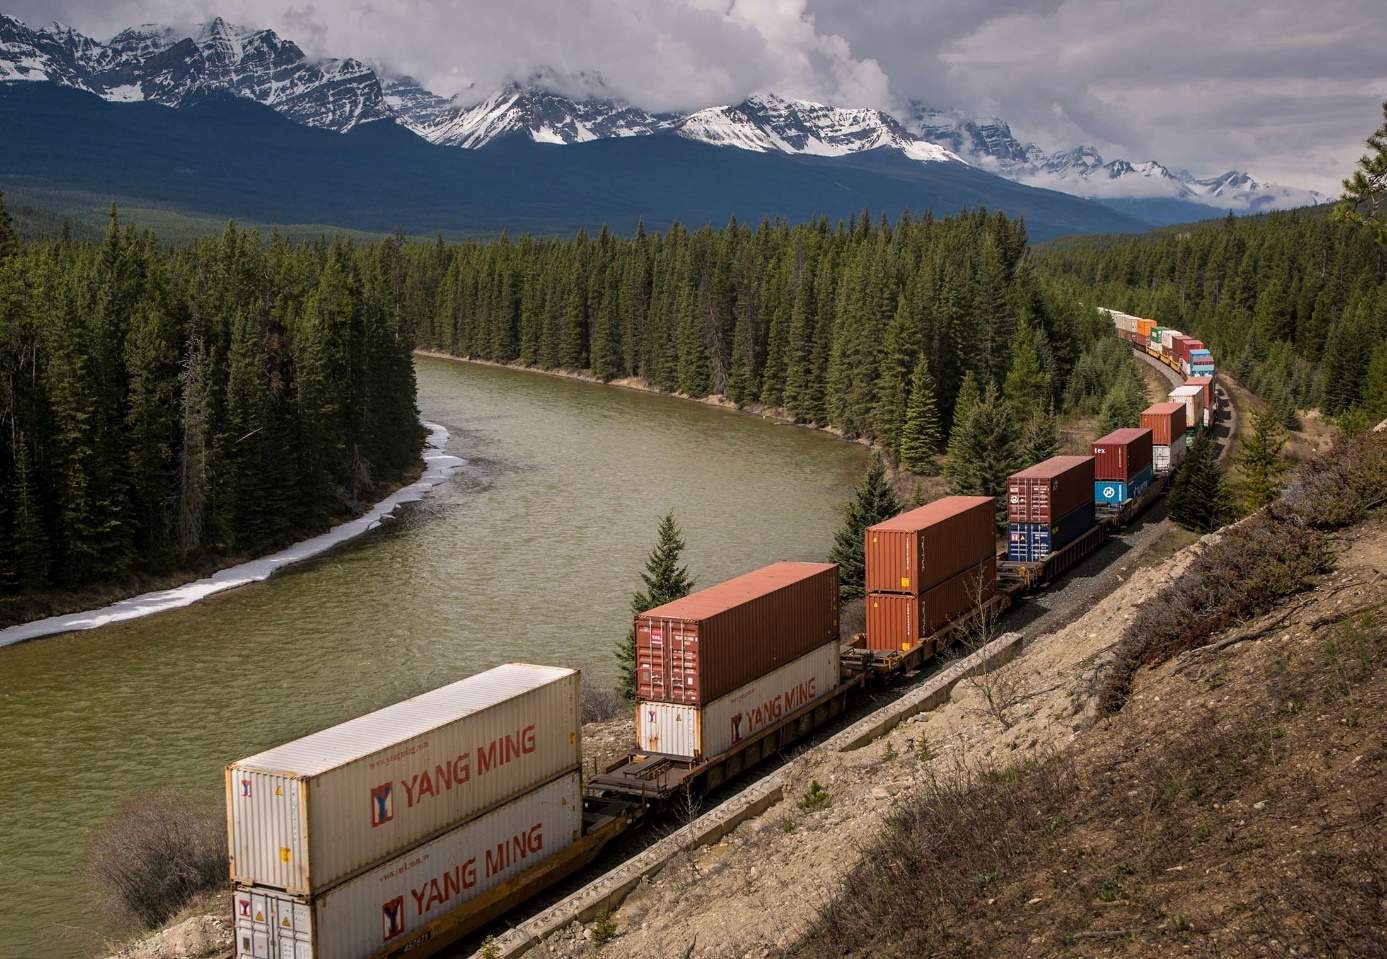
438, 466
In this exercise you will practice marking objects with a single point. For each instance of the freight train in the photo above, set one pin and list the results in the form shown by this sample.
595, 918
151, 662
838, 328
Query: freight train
1187, 356
407, 829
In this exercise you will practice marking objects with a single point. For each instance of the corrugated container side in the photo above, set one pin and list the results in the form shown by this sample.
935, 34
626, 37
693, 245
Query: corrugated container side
1168, 339
1033, 542
1206, 387
1055, 487
698, 732
306, 815
400, 897
1164, 420
699, 648
1144, 328
1117, 492
1168, 458
899, 621
1122, 454
923, 547
1193, 398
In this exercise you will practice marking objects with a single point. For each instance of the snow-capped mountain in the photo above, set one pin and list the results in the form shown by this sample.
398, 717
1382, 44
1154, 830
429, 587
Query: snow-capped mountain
988, 143
156, 63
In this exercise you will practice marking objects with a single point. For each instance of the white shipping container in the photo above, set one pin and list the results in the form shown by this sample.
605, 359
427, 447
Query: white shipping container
383, 907
1168, 340
311, 813
1193, 398
696, 732
1167, 458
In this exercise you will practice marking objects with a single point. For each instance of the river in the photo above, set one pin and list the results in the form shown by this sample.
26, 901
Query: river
531, 552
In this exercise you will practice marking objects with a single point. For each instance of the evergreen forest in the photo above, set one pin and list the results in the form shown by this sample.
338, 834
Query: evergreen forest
1293, 304
162, 408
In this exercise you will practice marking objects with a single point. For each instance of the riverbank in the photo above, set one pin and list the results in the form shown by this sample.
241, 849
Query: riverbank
780, 417
438, 466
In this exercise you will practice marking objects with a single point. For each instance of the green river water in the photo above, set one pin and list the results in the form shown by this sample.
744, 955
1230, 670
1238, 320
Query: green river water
530, 552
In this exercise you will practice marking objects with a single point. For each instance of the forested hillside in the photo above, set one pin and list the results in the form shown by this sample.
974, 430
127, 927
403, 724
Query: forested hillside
840, 325
1293, 304
161, 408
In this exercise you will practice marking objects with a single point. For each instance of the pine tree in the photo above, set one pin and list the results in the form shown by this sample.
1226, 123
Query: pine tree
665, 581
1040, 437
919, 450
1366, 189
986, 451
1261, 460
1028, 386
874, 502
1122, 406
9, 243
1199, 500
1375, 386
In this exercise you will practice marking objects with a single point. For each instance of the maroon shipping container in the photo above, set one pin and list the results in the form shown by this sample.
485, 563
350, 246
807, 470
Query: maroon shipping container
1178, 347
1190, 345
1122, 455
1165, 421
897, 621
709, 643
1049, 490
922, 548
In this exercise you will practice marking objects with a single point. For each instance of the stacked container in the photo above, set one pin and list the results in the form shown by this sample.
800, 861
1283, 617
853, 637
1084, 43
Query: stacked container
1123, 467
1206, 387
1187, 346
1144, 328
1201, 363
1048, 507
721, 664
928, 567
352, 839
1166, 421
1193, 399
1153, 340
1168, 342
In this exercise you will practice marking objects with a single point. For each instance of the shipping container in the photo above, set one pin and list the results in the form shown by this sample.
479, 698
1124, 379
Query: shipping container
1053, 488
1122, 454
1165, 421
1166, 459
1206, 388
924, 547
702, 647
701, 732
1117, 492
1193, 398
1201, 363
308, 814
1032, 542
1144, 328
398, 898
1189, 345
1178, 346
899, 621
1167, 341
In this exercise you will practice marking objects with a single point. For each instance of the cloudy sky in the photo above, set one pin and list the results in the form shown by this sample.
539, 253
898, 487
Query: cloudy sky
1287, 90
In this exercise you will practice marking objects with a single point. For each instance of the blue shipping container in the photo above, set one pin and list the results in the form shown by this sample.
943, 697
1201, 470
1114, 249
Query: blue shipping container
1115, 492
1032, 542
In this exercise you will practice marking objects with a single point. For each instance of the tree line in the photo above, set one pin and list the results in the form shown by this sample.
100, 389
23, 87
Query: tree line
160, 407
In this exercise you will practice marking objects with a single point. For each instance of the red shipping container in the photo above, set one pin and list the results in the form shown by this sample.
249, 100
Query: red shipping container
897, 621
1050, 489
709, 643
1177, 346
1189, 346
1165, 421
1205, 383
922, 548
1122, 455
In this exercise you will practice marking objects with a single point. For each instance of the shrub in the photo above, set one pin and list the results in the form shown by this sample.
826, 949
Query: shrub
600, 705
153, 855
816, 798
603, 928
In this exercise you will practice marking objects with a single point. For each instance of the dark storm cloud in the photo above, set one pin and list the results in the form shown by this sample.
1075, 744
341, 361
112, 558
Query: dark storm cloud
1288, 90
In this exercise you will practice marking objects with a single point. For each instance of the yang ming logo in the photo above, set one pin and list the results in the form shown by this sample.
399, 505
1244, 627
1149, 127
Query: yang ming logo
382, 804
393, 918
737, 728
244, 906
245, 788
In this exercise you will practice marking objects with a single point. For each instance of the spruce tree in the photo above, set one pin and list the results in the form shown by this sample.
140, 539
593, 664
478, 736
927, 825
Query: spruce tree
985, 451
1028, 386
1365, 190
1199, 500
9, 243
1122, 406
665, 581
920, 437
875, 501
1261, 460
1375, 386
1040, 437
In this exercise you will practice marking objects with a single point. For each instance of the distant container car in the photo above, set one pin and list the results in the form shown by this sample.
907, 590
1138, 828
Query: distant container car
700, 731
396, 900
1144, 328
901, 621
1168, 341
924, 547
1165, 421
702, 647
1122, 454
1193, 398
1033, 542
1169, 457
1206, 387
1050, 489
308, 814
1201, 363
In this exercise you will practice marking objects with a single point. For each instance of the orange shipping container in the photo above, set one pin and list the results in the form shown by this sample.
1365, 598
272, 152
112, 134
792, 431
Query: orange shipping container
899, 622
709, 643
1144, 328
1165, 421
922, 548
